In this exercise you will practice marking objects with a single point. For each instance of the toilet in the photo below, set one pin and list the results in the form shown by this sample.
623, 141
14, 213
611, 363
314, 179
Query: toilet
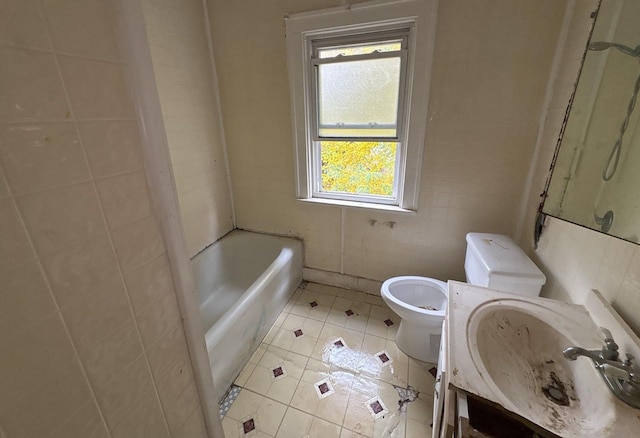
492, 260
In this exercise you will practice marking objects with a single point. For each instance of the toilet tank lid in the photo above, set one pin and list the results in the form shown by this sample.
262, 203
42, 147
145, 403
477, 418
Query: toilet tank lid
501, 256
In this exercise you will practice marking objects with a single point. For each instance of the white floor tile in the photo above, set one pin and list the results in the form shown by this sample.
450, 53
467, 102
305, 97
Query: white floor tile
345, 344
264, 414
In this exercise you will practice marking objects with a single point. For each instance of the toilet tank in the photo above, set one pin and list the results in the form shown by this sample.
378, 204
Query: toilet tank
495, 261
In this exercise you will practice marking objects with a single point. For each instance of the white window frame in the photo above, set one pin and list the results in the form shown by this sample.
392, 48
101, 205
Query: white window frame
418, 16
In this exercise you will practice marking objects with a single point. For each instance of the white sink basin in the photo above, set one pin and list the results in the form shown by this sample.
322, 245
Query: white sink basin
508, 349
519, 356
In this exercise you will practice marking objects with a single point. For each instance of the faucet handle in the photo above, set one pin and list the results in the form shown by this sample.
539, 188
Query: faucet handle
605, 334
630, 358
610, 349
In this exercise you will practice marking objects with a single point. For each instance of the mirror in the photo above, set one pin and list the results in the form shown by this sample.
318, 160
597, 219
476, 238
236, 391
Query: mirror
596, 176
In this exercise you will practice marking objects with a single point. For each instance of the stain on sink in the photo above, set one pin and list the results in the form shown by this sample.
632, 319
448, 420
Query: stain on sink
556, 390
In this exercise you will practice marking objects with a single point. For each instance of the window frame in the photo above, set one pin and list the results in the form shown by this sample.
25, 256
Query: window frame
358, 22
318, 44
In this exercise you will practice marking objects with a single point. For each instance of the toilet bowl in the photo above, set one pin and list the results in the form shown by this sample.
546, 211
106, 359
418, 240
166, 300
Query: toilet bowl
421, 303
491, 260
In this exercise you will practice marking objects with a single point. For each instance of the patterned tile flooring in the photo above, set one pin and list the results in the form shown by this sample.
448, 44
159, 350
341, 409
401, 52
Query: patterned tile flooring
329, 367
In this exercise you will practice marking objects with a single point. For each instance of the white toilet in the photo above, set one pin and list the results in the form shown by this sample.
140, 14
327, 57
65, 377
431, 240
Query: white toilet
492, 260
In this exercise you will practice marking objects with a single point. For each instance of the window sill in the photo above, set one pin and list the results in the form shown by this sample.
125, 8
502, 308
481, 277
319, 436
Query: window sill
353, 204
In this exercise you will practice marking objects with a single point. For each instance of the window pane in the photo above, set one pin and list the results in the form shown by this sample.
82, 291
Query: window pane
362, 49
358, 98
359, 167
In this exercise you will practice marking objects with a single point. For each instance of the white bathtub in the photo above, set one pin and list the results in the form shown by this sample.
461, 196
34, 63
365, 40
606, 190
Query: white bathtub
243, 281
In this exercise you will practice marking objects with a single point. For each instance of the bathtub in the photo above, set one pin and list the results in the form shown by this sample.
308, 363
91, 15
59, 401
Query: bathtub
243, 282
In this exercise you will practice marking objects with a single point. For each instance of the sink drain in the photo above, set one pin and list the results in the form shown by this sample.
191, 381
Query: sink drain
556, 395
555, 391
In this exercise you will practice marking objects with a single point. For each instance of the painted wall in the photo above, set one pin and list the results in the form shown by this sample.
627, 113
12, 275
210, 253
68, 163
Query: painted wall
490, 70
186, 86
90, 332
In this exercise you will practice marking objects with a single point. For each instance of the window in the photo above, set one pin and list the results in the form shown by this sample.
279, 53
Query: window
359, 83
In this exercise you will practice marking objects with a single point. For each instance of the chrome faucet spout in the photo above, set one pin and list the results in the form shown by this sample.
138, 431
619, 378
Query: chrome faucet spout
627, 389
572, 353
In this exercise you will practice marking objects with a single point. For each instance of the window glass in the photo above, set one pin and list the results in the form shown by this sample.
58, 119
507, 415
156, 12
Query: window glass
358, 167
359, 49
359, 98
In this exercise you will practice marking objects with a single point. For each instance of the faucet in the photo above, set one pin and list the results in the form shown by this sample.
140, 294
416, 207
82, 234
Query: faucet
627, 389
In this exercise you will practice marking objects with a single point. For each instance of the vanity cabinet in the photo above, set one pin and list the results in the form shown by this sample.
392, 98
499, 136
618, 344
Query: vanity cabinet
459, 415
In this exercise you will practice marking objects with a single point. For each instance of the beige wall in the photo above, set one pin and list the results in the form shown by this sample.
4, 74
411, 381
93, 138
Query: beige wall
183, 72
490, 70
90, 332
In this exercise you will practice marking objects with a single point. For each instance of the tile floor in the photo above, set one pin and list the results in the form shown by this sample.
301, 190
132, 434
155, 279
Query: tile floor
329, 367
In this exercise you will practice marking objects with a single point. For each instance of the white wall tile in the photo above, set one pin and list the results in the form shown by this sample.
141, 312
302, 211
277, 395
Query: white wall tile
627, 302
106, 359
149, 282
96, 314
37, 157
577, 259
138, 243
83, 27
26, 299
124, 198
166, 352
112, 147
194, 426
24, 25
158, 318
144, 420
181, 59
179, 409
96, 89
60, 218
80, 269
31, 87
78, 339
85, 423
26, 374
4, 191
55, 403
14, 246
121, 395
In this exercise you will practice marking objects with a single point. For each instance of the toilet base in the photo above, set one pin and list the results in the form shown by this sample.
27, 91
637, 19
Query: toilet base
419, 341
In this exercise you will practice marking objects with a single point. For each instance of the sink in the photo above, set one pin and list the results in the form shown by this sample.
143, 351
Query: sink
507, 349
514, 345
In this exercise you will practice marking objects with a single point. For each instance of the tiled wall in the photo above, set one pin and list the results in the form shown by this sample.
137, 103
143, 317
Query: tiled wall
91, 340
182, 65
490, 70
577, 259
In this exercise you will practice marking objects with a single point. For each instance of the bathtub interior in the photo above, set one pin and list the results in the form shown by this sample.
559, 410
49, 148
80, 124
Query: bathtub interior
239, 258
225, 270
